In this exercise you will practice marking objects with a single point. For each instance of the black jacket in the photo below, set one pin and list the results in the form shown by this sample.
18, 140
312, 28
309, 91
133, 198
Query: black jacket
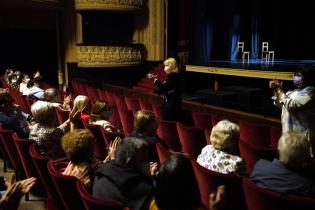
113, 181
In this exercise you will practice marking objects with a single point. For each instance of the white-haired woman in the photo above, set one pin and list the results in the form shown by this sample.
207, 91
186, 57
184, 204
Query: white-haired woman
170, 89
221, 155
46, 135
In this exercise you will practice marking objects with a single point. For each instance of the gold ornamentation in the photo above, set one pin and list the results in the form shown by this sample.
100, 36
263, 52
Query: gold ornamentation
108, 4
106, 56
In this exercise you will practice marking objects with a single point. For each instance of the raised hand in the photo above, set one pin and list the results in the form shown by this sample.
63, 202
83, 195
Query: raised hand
216, 200
151, 76
112, 149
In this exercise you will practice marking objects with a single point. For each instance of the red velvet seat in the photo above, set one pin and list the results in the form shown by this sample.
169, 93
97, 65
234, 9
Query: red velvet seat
65, 185
62, 116
168, 132
110, 136
191, 139
100, 144
40, 162
132, 104
258, 198
10, 147
111, 99
258, 135
114, 118
158, 111
145, 105
275, 134
23, 146
127, 118
201, 120
93, 203
120, 102
92, 94
102, 95
162, 153
208, 182
207, 135
251, 154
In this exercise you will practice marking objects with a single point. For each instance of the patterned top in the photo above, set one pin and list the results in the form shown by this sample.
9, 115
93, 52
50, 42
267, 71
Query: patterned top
219, 161
298, 110
48, 139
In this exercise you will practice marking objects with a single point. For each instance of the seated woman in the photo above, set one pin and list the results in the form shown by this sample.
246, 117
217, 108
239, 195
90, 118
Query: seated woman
79, 112
44, 132
145, 127
175, 178
100, 115
221, 156
79, 148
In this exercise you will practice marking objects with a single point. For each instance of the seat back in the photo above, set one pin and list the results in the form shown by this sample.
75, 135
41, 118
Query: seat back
254, 134
110, 136
120, 102
252, 154
145, 105
258, 198
208, 182
100, 145
162, 153
40, 162
94, 203
62, 116
191, 139
168, 132
65, 185
201, 120
127, 119
158, 111
10, 147
275, 134
132, 104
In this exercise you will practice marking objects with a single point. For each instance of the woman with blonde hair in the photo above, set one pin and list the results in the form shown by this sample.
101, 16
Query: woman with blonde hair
100, 115
221, 156
79, 112
170, 89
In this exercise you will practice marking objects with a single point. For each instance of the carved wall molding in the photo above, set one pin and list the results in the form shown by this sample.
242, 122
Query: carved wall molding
119, 5
109, 56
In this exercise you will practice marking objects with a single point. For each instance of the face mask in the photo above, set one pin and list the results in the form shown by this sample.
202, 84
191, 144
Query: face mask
297, 80
167, 69
13, 81
27, 80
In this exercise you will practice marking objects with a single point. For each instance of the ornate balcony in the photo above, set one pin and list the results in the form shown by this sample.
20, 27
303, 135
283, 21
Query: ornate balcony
113, 5
109, 56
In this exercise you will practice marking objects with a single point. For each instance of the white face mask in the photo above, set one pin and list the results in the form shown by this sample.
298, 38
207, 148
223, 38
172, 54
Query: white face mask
27, 80
13, 81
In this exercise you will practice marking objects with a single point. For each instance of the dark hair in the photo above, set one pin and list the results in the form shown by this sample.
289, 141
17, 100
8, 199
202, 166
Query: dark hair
176, 186
128, 148
30, 83
308, 73
4, 98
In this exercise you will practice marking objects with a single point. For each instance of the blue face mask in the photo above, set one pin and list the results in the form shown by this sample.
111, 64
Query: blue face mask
297, 80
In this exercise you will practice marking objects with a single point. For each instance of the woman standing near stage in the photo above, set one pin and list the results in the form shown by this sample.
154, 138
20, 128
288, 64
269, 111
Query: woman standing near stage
298, 106
170, 89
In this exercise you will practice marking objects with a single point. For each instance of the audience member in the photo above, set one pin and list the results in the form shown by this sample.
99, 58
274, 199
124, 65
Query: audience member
23, 85
100, 115
171, 90
176, 186
34, 91
80, 148
52, 96
79, 112
44, 132
298, 106
15, 191
11, 116
283, 174
125, 178
145, 127
221, 155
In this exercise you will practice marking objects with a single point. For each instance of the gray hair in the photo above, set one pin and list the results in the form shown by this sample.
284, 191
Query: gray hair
129, 148
51, 94
294, 149
43, 112
224, 135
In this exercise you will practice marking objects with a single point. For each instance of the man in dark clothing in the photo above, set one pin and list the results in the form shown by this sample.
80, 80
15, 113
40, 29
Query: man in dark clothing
125, 179
11, 117
284, 175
